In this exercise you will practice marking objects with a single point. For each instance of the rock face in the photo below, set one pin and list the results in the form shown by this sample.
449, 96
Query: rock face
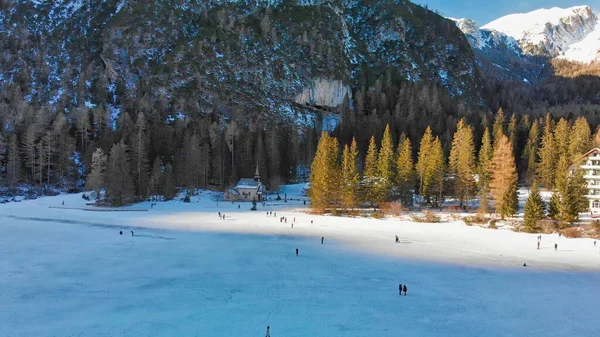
521, 46
323, 92
200, 57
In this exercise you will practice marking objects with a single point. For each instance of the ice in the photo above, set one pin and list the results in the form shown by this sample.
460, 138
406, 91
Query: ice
66, 271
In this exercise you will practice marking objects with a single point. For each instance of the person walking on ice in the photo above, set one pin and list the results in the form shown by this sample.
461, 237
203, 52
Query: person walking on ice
397, 239
400, 289
322, 238
296, 251
404, 289
131, 233
556, 246
268, 332
538, 245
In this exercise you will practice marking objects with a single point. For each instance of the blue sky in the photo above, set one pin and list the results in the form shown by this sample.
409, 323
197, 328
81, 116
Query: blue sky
484, 11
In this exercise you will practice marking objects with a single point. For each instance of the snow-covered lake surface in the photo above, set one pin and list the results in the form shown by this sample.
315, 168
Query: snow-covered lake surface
68, 272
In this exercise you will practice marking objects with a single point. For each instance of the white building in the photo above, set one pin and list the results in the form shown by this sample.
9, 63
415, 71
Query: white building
590, 164
247, 189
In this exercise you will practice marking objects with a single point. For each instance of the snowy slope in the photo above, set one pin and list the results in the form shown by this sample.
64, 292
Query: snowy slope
587, 50
555, 32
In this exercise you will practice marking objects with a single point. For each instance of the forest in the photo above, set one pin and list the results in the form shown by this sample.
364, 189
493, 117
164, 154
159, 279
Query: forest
344, 178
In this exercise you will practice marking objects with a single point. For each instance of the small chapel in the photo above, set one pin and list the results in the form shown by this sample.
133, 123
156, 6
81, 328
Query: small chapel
247, 189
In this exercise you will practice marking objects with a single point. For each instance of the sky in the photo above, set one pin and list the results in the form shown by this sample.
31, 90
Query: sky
485, 11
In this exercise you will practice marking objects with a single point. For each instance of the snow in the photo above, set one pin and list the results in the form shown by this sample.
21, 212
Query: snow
587, 50
187, 273
533, 24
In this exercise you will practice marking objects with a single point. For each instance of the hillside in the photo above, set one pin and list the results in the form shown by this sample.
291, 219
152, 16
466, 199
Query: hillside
236, 81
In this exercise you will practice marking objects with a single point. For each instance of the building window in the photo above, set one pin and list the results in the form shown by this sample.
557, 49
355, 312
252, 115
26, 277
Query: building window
596, 204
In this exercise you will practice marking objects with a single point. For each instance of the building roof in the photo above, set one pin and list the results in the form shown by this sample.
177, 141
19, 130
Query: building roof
247, 183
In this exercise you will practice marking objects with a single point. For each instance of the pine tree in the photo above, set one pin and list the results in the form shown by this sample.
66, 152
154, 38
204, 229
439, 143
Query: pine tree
534, 210
156, 178
370, 176
29, 151
2, 157
513, 130
385, 167
119, 188
581, 138
13, 163
531, 151
437, 163
503, 185
546, 167
405, 173
554, 206
423, 165
498, 128
170, 189
96, 178
569, 196
324, 178
318, 179
562, 137
350, 176
462, 162
486, 153
139, 157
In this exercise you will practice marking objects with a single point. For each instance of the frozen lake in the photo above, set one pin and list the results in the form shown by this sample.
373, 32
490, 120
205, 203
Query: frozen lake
62, 279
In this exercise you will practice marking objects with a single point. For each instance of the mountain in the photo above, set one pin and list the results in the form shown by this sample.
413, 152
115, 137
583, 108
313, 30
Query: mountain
215, 87
551, 32
227, 55
522, 45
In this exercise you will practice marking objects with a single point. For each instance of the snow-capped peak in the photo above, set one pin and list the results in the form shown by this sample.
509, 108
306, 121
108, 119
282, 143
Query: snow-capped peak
533, 24
547, 31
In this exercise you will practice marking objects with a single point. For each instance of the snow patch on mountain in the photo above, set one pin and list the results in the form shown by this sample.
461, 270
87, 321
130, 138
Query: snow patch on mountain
533, 25
587, 50
548, 32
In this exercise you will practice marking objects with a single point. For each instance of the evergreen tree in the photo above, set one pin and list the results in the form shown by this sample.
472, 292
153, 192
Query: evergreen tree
350, 176
370, 176
156, 178
503, 185
534, 209
437, 163
498, 128
119, 188
2, 157
139, 158
581, 138
513, 135
546, 167
385, 166
530, 153
554, 206
423, 166
486, 153
324, 177
13, 164
569, 195
562, 136
462, 162
29, 151
318, 179
405, 171
170, 189
96, 179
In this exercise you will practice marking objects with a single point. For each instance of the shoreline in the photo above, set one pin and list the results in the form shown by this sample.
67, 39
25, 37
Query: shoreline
452, 243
